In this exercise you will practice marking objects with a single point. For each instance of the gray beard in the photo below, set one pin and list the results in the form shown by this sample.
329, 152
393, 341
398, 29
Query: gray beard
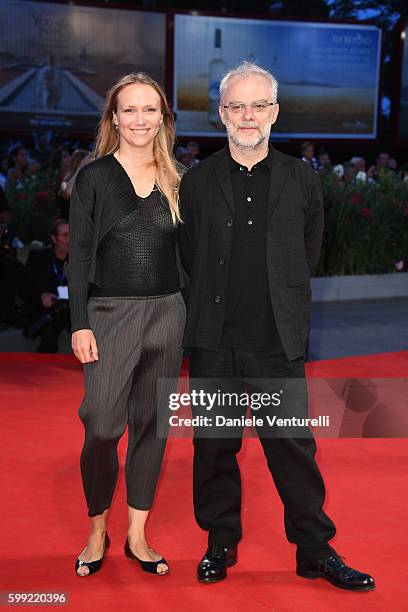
244, 147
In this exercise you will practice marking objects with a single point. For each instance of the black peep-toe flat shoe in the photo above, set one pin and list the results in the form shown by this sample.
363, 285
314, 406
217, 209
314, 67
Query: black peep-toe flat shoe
147, 566
93, 566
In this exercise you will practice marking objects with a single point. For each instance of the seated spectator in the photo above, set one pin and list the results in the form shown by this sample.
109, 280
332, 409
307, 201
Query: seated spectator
194, 149
307, 150
11, 269
18, 166
44, 280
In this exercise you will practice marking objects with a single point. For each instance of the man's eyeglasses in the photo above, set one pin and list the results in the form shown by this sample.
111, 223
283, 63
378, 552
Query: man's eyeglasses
257, 107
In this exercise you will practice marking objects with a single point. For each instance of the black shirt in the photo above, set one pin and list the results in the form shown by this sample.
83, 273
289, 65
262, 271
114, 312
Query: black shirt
249, 320
58, 266
137, 257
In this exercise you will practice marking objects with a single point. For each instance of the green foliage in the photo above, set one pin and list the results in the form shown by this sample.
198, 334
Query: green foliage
366, 226
33, 207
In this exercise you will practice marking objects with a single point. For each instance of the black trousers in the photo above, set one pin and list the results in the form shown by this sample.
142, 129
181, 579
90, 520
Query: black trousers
11, 273
51, 332
291, 460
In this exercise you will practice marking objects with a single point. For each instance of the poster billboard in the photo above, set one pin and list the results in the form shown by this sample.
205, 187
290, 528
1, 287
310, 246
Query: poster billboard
328, 73
57, 61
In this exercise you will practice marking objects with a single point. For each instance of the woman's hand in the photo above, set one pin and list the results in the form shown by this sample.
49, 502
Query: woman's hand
84, 345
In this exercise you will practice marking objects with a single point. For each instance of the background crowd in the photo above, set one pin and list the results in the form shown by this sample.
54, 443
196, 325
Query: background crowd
366, 208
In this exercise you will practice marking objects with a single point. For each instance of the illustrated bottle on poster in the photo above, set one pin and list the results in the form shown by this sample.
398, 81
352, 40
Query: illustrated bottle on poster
216, 70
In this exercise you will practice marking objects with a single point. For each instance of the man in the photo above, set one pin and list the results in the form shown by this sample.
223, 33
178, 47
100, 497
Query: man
359, 163
324, 165
183, 156
307, 151
377, 170
44, 286
250, 238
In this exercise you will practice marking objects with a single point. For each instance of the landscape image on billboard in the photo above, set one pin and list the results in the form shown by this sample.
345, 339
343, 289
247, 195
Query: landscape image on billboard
328, 73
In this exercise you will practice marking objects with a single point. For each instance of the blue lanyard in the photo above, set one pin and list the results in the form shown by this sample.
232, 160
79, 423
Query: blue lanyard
61, 277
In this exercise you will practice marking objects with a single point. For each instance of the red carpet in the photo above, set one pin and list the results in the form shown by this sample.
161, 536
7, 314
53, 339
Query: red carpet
44, 524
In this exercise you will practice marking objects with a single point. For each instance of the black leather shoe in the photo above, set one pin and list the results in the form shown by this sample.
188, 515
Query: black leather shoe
335, 571
213, 566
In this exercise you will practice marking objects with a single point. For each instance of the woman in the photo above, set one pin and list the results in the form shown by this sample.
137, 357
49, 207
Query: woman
127, 311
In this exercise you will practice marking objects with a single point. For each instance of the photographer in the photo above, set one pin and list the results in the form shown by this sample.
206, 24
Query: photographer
45, 290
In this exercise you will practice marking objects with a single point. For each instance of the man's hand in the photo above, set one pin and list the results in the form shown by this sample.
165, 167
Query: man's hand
84, 346
48, 299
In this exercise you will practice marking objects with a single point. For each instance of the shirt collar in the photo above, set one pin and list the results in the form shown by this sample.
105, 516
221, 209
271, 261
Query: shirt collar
265, 162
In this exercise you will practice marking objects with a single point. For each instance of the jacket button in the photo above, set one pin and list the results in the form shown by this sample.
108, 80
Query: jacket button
217, 299
230, 222
221, 261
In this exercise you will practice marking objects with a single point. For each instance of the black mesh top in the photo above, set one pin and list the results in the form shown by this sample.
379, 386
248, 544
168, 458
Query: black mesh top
137, 256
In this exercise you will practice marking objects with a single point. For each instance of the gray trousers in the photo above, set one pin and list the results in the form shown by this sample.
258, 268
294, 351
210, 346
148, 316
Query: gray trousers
139, 340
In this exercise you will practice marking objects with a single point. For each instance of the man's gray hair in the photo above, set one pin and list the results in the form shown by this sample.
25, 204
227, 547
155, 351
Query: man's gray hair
246, 69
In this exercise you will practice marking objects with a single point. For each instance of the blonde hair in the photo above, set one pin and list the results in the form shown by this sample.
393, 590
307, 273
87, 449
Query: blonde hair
107, 139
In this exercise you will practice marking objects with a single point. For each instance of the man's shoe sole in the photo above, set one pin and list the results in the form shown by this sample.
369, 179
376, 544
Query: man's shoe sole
210, 580
313, 575
229, 563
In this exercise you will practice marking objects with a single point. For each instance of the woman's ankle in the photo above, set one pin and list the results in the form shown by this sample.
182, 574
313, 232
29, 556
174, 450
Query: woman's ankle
137, 539
98, 532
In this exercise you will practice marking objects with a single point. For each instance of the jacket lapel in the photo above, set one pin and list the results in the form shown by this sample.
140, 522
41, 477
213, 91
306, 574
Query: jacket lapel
223, 174
279, 174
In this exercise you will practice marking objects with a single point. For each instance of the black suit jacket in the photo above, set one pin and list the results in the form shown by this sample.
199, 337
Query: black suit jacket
294, 231
39, 278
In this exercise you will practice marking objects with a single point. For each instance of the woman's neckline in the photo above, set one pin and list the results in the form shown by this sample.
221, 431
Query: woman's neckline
130, 180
